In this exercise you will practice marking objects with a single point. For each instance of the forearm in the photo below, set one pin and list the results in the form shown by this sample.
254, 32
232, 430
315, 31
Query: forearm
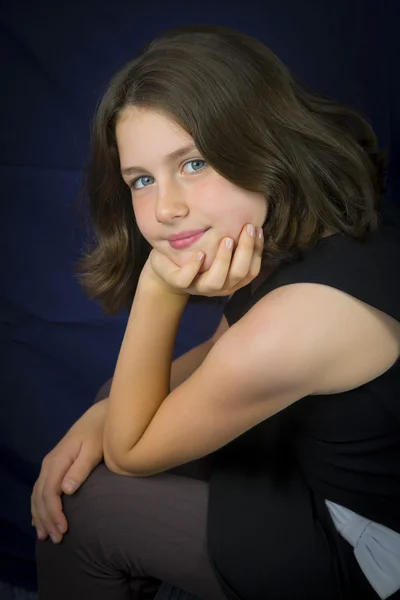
94, 416
142, 376
181, 369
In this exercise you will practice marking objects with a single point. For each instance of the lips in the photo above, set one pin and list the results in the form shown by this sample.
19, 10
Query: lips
185, 239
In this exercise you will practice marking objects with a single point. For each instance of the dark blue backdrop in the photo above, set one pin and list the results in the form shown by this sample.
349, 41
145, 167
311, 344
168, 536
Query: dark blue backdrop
58, 347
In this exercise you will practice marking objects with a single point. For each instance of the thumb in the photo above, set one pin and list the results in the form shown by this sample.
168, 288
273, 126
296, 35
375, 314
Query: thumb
79, 470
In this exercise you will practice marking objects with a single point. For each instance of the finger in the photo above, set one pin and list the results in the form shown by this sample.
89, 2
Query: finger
257, 256
36, 522
77, 473
54, 520
177, 277
256, 262
48, 505
80, 470
243, 257
215, 278
182, 277
35, 502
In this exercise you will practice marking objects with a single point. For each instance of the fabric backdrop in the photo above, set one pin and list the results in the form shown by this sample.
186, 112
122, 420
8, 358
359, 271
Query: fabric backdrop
57, 347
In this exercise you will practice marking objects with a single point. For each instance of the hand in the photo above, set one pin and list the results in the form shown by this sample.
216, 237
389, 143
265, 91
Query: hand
73, 459
230, 270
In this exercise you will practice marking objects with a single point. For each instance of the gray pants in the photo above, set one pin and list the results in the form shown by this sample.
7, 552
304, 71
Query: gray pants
127, 534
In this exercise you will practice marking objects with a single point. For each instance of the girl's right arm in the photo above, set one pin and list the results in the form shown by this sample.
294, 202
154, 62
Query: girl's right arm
69, 464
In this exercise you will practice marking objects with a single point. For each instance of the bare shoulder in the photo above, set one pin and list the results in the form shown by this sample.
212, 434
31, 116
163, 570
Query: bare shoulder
298, 340
339, 341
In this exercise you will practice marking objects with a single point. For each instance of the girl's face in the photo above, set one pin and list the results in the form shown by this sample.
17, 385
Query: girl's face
174, 191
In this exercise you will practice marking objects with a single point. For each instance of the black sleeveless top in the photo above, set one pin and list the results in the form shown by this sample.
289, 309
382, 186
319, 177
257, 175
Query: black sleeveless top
269, 533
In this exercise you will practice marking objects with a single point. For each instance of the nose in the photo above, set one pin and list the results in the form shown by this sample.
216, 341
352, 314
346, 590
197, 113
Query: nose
171, 205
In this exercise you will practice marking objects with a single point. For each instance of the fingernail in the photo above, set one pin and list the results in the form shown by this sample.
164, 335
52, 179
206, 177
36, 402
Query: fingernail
228, 243
69, 486
54, 538
40, 534
60, 528
200, 256
250, 230
260, 233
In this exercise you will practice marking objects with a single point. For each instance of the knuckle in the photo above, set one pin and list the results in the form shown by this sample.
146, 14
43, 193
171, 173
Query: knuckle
207, 290
239, 274
182, 282
35, 497
253, 273
48, 460
39, 506
203, 290
46, 513
46, 526
42, 523
33, 513
50, 502
38, 523
33, 507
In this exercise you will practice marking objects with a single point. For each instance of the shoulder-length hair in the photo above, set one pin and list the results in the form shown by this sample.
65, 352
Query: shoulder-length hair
316, 161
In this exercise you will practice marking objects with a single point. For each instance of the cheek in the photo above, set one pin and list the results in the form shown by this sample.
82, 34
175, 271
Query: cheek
249, 208
142, 221
230, 207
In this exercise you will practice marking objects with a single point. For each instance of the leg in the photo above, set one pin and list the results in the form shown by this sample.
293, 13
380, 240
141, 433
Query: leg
124, 531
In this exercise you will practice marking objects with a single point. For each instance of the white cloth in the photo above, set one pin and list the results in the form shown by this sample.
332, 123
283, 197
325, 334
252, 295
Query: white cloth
376, 548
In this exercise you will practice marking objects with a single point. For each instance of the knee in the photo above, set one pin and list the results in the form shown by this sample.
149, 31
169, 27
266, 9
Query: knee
107, 519
88, 549
90, 512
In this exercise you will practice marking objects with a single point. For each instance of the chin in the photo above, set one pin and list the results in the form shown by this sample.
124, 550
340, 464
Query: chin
181, 258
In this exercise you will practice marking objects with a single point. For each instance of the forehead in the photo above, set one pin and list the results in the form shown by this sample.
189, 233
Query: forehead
142, 129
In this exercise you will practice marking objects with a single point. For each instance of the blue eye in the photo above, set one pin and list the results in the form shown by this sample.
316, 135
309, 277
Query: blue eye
198, 165
135, 187
197, 161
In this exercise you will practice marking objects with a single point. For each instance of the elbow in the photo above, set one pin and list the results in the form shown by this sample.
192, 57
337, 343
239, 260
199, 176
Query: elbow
121, 462
113, 459
122, 465
113, 465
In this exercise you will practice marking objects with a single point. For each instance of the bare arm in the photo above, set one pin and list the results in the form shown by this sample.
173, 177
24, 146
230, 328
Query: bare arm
183, 367
81, 449
300, 340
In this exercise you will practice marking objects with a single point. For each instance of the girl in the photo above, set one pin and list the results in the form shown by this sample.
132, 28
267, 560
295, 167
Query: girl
214, 173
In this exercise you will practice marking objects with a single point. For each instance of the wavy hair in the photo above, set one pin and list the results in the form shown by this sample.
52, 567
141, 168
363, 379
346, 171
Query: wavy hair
316, 160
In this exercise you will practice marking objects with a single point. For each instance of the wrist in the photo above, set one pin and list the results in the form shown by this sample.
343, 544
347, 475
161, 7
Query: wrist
96, 411
150, 285
91, 421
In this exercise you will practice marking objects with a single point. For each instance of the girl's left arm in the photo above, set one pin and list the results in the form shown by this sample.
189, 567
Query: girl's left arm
240, 383
298, 340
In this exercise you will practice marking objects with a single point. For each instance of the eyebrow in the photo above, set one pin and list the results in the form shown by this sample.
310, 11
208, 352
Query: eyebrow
175, 155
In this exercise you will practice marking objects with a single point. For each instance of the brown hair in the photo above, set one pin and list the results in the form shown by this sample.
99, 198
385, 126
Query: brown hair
315, 160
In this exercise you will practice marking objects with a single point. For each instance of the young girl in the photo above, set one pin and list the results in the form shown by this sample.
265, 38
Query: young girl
214, 174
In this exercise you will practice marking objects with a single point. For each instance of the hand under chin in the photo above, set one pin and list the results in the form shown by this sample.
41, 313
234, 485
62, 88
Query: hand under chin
204, 267
183, 259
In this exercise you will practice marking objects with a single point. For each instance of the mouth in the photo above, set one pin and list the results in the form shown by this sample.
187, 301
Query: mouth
185, 242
